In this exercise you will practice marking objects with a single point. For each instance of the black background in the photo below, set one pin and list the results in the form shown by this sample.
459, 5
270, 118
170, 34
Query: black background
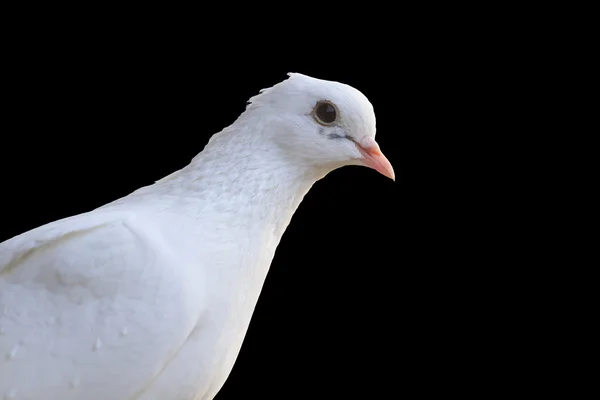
378, 288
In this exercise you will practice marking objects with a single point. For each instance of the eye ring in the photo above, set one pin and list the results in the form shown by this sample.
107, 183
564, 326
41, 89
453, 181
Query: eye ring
325, 113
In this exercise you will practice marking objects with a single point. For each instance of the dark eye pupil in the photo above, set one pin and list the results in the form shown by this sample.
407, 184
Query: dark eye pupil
326, 112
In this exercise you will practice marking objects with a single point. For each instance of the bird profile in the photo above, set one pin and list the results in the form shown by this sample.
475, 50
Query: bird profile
150, 296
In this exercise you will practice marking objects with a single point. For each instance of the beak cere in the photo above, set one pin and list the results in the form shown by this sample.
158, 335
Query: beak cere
374, 158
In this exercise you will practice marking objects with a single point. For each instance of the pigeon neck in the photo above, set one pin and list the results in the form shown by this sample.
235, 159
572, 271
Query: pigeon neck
241, 182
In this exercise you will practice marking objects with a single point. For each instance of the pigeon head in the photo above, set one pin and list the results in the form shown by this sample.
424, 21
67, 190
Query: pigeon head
323, 123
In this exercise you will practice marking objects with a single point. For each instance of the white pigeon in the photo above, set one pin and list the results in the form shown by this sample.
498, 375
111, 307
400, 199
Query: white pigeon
149, 297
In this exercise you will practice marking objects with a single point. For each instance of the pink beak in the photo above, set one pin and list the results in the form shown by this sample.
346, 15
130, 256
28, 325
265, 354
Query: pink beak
373, 158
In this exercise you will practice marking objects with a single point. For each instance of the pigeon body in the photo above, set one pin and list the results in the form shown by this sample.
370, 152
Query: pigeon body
149, 297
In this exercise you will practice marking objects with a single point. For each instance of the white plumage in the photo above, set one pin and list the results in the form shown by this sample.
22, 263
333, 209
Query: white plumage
149, 297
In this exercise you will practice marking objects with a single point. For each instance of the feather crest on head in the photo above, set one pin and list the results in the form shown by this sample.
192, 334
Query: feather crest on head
256, 100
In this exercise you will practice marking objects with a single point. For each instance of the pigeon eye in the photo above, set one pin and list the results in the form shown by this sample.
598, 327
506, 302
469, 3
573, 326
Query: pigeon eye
325, 113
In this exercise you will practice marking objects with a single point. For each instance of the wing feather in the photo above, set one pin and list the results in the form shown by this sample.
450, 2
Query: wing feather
90, 305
